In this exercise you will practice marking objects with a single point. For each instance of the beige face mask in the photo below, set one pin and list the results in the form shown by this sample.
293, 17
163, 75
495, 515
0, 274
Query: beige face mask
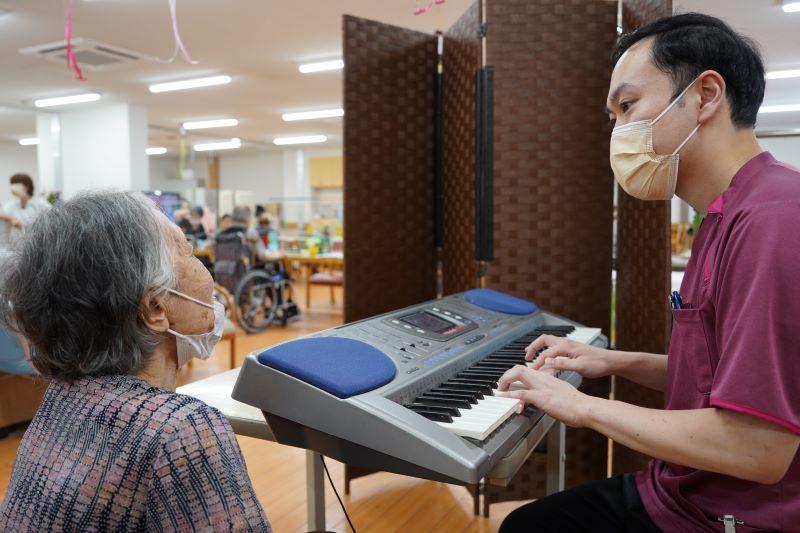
640, 171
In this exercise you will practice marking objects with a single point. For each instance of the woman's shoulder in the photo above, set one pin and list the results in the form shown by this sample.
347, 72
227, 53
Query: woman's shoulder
180, 410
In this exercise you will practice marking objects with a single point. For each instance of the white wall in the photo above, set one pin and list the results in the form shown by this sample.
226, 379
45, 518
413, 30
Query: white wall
103, 148
259, 172
786, 149
15, 159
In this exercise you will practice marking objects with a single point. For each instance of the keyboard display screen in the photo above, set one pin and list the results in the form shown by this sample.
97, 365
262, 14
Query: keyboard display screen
428, 322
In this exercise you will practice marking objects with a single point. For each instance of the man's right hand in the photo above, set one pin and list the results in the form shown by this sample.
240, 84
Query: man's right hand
565, 354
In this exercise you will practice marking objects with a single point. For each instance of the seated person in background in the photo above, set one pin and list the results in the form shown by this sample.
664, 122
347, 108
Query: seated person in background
23, 209
113, 447
192, 225
242, 220
225, 222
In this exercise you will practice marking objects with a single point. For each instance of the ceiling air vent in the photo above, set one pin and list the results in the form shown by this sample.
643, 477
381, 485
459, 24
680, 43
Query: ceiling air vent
90, 54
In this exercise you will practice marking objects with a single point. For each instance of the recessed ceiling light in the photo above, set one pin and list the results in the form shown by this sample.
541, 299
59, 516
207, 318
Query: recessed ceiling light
791, 7
321, 66
189, 84
309, 115
155, 150
204, 124
304, 139
64, 100
221, 145
783, 108
781, 74
29, 141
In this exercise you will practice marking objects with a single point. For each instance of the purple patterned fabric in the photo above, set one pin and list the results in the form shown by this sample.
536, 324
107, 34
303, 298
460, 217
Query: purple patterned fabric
117, 454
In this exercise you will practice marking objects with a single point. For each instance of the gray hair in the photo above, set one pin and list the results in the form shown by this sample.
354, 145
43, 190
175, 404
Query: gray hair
241, 214
75, 282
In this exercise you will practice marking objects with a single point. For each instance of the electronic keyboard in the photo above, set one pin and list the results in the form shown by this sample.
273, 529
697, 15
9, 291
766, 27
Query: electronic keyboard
412, 391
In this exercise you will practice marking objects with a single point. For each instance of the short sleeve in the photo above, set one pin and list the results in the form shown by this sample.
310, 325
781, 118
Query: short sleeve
757, 300
200, 481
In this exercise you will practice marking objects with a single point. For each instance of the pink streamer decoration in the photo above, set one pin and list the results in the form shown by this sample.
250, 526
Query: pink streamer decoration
179, 46
426, 8
72, 63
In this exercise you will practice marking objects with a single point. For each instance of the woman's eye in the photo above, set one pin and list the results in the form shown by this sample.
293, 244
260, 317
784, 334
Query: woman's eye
624, 106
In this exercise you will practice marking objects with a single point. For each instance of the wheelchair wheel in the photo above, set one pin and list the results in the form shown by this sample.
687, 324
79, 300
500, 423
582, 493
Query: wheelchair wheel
255, 300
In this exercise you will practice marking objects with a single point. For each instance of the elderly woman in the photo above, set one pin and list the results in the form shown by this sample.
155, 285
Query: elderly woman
108, 294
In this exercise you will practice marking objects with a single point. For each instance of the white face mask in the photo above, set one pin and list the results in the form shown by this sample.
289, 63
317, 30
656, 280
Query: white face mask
201, 345
640, 171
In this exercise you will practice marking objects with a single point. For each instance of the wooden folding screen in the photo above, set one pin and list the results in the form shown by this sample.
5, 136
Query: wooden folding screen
388, 165
643, 269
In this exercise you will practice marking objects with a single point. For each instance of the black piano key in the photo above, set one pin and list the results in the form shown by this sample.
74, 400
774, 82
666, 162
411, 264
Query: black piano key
436, 417
492, 365
483, 387
466, 392
447, 402
453, 395
462, 387
483, 379
446, 410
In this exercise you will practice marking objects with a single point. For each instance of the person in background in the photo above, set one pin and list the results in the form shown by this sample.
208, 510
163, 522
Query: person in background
225, 222
192, 225
242, 224
23, 209
263, 229
113, 447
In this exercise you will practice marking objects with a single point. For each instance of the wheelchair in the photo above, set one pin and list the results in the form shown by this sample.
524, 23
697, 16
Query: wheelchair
262, 292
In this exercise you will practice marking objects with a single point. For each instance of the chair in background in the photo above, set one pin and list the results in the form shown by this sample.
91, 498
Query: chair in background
21, 391
332, 279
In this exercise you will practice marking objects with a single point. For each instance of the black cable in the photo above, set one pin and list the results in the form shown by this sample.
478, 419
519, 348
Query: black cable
337, 493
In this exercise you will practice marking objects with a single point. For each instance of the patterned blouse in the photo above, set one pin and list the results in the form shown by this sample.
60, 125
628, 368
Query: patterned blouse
117, 454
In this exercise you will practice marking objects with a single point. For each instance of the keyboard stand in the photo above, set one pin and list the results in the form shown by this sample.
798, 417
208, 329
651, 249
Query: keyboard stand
249, 422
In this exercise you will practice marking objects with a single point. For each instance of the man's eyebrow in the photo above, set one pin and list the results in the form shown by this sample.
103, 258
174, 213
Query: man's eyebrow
615, 93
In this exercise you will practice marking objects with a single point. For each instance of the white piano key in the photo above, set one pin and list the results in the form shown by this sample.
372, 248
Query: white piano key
480, 421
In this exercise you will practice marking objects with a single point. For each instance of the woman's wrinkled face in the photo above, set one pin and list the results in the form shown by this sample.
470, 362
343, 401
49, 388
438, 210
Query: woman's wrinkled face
194, 280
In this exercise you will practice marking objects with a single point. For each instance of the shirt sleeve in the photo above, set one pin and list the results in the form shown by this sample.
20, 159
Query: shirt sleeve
200, 481
758, 317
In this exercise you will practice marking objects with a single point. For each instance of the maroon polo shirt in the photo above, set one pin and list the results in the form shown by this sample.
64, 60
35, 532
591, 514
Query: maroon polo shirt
736, 346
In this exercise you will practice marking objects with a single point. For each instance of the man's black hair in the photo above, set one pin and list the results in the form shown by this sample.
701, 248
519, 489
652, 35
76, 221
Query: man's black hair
688, 44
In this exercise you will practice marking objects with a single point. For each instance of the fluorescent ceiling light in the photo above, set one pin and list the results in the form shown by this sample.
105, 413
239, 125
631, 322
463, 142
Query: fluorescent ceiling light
305, 139
64, 100
309, 115
221, 145
155, 150
203, 124
29, 141
189, 84
781, 74
784, 108
791, 7
321, 66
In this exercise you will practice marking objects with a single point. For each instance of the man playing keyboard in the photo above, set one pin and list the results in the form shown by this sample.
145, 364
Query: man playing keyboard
725, 447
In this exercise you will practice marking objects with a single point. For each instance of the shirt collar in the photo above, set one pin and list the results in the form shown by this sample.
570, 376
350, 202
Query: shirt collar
749, 169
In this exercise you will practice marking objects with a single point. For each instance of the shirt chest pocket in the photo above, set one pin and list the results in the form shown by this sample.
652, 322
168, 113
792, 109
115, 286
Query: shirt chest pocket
690, 350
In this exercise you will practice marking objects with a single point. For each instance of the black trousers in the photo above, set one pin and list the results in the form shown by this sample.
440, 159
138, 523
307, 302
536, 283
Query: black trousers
611, 505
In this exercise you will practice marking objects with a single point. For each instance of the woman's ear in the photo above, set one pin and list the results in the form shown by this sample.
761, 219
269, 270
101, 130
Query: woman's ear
153, 312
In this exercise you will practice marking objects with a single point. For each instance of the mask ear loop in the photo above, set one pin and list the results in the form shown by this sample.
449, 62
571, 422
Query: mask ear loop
686, 140
673, 102
195, 300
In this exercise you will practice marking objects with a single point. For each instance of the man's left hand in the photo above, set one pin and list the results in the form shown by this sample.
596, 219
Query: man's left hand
554, 396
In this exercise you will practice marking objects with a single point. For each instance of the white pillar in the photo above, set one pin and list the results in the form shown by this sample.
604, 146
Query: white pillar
48, 152
103, 148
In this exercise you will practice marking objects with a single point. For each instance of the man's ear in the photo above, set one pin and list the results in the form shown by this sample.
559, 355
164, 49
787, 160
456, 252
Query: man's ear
712, 95
153, 312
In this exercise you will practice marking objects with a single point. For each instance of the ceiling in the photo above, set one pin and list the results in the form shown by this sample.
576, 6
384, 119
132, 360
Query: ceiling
259, 43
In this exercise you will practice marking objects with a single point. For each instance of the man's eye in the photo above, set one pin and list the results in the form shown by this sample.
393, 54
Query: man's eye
624, 106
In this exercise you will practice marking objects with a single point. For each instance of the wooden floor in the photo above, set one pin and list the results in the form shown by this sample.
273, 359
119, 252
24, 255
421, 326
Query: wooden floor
377, 503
